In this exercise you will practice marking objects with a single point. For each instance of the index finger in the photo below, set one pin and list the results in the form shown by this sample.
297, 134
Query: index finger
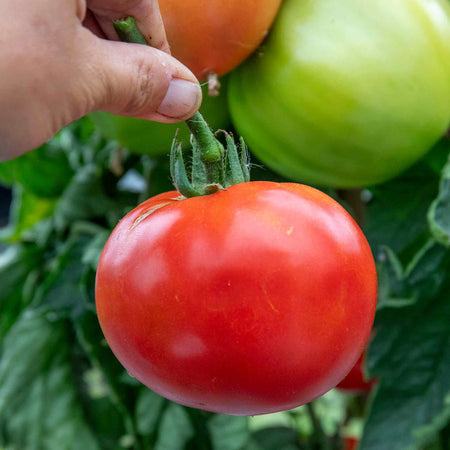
147, 15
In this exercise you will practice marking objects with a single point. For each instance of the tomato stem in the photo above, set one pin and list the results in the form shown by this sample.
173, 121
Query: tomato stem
208, 149
127, 31
319, 434
213, 167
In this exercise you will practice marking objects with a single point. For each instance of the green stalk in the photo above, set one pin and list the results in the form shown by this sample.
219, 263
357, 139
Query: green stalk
319, 435
127, 31
212, 168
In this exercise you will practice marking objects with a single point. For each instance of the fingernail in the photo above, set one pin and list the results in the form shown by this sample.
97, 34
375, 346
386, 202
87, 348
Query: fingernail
181, 100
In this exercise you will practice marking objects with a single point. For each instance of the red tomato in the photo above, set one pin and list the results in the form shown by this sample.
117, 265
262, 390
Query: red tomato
355, 381
213, 36
252, 300
350, 443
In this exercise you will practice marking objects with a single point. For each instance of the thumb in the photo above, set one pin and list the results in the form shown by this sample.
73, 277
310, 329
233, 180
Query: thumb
139, 81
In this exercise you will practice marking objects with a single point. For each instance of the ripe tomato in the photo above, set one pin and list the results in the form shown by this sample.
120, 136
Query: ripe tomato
152, 138
355, 382
213, 36
251, 300
346, 94
350, 443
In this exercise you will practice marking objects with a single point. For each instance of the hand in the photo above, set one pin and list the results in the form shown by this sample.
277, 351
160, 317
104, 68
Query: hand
61, 59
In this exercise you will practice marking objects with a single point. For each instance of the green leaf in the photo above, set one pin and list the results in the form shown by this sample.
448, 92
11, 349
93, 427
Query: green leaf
92, 195
38, 398
17, 263
228, 432
276, 438
414, 393
439, 212
83, 199
26, 211
62, 290
422, 278
93, 250
105, 384
148, 411
175, 429
410, 355
437, 157
397, 214
45, 172
7, 171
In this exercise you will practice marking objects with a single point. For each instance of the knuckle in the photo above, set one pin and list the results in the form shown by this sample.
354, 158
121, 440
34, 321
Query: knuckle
143, 95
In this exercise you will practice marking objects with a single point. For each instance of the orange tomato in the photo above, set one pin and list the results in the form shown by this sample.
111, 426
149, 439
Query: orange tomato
213, 37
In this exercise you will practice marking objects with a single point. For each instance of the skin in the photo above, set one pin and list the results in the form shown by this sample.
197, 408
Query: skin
344, 94
215, 36
256, 299
151, 138
61, 60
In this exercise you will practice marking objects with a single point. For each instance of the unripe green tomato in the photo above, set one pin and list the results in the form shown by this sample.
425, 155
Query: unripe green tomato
346, 93
154, 138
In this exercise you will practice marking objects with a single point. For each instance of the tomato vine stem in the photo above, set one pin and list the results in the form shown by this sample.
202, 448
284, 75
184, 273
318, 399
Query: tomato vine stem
213, 167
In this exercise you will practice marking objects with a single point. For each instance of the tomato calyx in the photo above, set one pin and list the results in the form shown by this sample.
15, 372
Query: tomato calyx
213, 167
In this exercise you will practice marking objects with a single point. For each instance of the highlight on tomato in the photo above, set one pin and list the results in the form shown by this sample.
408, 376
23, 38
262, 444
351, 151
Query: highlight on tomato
233, 296
346, 93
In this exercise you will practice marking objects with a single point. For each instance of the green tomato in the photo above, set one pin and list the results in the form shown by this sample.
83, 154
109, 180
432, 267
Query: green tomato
347, 93
153, 138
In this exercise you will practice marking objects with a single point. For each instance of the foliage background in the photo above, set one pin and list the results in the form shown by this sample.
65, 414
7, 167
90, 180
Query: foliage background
61, 387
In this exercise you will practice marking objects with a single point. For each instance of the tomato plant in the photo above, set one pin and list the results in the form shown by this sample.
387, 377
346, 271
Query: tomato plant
345, 94
47, 308
44, 172
152, 138
48, 260
215, 36
355, 381
250, 300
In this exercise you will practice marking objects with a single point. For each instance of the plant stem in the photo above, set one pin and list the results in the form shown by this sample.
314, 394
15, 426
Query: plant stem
319, 435
354, 199
127, 31
444, 438
211, 150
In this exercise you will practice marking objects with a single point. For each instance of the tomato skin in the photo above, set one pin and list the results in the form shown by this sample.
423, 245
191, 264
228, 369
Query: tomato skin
355, 382
350, 443
251, 300
212, 36
341, 94
152, 138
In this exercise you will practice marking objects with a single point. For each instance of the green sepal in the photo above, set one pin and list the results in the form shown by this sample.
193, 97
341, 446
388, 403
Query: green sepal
199, 179
172, 159
235, 174
245, 159
180, 177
